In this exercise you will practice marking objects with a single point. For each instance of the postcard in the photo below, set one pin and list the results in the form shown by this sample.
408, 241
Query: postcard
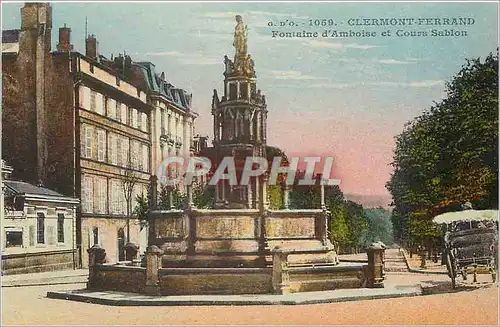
249, 163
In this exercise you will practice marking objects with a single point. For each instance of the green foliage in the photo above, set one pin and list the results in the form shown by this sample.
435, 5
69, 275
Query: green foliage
178, 198
275, 193
449, 154
203, 196
141, 207
379, 226
348, 224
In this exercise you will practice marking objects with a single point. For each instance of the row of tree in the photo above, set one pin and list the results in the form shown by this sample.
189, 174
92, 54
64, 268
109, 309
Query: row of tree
448, 155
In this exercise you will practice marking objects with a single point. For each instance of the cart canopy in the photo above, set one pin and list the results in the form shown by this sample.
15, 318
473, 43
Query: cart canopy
466, 215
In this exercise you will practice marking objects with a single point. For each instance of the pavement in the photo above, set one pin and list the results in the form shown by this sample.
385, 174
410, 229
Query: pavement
46, 278
134, 299
432, 267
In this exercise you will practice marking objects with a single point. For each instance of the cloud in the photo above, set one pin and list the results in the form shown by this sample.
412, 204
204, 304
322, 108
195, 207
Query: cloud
427, 83
164, 54
187, 58
395, 62
276, 14
222, 14
423, 83
293, 75
332, 85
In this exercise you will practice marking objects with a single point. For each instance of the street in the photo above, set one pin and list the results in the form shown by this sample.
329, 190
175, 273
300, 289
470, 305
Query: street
475, 305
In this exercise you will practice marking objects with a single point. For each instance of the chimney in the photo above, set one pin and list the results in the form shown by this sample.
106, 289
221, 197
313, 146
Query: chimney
91, 46
64, 44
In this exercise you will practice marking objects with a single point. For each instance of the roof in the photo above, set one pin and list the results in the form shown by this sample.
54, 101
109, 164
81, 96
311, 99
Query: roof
19, 187
10, 41
10, 36
157, 83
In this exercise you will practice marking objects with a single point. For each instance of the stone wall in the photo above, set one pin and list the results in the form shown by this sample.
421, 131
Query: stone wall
31, 262
238, 237
183, 281
108, 236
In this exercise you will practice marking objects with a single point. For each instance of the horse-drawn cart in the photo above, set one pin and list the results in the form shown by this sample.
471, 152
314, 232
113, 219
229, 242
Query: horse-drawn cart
471, 242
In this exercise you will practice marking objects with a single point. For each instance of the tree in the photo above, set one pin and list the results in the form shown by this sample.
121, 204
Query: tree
129, 180
141, 208
379, 226
449, 154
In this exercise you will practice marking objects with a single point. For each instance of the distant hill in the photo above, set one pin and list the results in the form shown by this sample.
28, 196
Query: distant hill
371, 201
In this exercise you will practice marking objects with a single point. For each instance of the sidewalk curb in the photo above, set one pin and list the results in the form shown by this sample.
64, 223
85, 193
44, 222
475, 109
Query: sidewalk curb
60, 280
421, 271
134, 299
45, 284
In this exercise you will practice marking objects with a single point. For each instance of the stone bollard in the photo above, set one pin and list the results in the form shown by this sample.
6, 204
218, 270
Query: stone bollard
153, 265
97, 257
375, 269
131, 251
281, 278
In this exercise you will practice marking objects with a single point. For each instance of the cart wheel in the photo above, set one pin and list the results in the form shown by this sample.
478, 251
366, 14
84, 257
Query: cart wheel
451, 269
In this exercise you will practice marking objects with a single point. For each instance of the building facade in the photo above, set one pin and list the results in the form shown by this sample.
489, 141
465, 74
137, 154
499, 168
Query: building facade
38, 228
88, 126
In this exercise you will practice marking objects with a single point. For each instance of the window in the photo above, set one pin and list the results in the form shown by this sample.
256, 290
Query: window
95, 236
84, 97
118, 110
92, 100
88, 194
115, 192
144, 122
140, 155
139, 120
13, 238
162, 119
111, 108
88, 141
100, 103
135, 155
103, 101
101, 145
119, 151
112, 153
145, 158
233, 91
102, 195
40, 228
125, 151
60, 228
121, 244
133, 117
124, 114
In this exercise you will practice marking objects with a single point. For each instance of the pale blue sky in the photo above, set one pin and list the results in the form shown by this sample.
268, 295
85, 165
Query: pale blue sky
342, 97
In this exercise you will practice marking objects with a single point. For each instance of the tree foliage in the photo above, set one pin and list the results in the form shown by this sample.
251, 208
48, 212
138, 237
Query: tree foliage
449, 154
379, 226
348, 224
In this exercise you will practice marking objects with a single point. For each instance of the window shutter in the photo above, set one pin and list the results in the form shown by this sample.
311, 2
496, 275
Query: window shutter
112, 108
83, 135
88, 141
101, 145
124, 113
